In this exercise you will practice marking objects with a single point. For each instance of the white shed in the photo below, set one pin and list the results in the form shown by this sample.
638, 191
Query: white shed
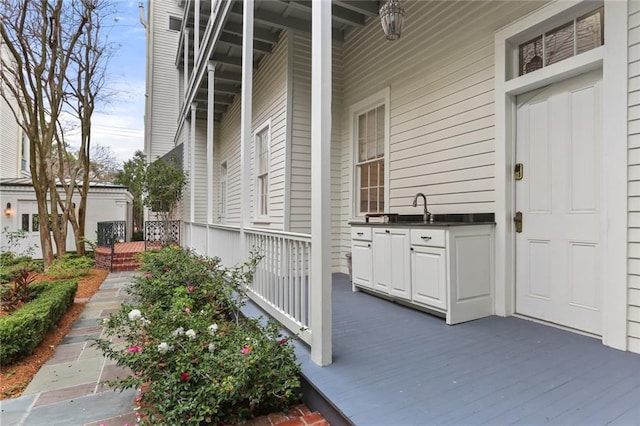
106, 202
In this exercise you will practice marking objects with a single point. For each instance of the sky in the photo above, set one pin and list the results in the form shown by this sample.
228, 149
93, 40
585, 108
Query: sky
119, 124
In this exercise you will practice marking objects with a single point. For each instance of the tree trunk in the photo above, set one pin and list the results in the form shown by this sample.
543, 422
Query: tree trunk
58, 225
45, 233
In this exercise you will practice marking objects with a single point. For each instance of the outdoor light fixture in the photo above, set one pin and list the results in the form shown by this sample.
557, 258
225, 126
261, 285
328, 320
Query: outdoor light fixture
7, 210
392, 18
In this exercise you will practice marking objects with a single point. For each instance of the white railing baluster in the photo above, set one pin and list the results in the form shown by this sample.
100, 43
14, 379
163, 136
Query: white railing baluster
281, 280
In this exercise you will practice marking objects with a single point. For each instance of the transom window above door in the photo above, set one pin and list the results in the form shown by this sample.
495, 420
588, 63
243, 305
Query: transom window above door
576, 36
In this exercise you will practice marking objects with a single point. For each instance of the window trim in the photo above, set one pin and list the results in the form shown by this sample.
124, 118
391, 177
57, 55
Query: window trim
257, 217
175, 19
380, 98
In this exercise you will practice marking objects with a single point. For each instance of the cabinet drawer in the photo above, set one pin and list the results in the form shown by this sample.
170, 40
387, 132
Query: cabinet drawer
427, 237
361, 233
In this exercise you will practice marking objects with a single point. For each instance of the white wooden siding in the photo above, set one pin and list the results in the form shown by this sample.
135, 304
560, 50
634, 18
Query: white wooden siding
183, 138
339, 247
162, 80
10, 143
441, 107
270, 103
300, 169
228, 149
633, 328
300, 189
199, 174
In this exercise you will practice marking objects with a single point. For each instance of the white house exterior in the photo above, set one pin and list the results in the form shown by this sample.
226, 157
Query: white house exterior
106, 203
274, 96
14, 161
164, 22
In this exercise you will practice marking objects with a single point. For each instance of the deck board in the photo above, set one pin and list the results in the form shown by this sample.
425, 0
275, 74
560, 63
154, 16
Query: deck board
394, 365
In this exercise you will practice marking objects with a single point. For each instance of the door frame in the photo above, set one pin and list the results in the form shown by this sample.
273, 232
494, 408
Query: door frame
612, 58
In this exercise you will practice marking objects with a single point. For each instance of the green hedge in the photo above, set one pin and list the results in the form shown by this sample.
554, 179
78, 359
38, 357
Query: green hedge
22, 331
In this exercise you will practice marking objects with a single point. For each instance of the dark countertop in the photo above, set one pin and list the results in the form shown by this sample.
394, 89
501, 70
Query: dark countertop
439, 220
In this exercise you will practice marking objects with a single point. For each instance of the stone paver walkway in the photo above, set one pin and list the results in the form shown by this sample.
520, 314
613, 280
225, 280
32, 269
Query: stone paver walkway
67, 390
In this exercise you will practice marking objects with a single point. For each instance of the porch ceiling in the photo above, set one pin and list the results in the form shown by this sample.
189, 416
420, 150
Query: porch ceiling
271, 17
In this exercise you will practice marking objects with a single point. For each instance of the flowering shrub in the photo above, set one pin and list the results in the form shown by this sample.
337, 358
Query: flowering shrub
205, 364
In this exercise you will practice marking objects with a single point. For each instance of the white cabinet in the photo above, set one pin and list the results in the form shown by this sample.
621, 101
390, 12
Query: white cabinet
429, 276
391, 264
446, 269
362, 270
429, 268
361, 257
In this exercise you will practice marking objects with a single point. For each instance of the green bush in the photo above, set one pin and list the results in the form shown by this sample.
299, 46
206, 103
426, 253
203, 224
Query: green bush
11, 265
173, 273
137, 236
22, 331
70, 266
205, 364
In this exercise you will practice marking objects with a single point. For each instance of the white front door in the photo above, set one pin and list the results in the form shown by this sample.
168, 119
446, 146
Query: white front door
559, 251
29, 222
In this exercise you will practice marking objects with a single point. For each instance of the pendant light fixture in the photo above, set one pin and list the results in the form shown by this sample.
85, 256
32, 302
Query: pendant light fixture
392, 18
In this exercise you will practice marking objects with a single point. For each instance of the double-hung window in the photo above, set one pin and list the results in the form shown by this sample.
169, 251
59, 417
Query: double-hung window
262, 145
370, 164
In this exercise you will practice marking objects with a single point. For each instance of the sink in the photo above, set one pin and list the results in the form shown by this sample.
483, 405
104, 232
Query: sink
410, 219
418, 219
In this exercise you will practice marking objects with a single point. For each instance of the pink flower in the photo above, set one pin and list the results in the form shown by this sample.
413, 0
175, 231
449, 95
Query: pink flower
134, 348
191, 289
283, 340
147, 275
167, 269
184, 377
246, 350
187, 310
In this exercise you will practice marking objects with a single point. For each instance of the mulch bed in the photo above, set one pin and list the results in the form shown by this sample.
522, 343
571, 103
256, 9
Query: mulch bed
15, 377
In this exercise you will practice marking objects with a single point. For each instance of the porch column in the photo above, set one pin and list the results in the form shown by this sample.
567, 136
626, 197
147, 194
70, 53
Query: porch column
246, 113
192, 164
196, 29
320, 275
210, 117
185, 60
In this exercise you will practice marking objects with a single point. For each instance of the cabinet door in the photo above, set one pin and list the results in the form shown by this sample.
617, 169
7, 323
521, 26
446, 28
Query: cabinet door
391, 264
428, 276
361, 263
381, 260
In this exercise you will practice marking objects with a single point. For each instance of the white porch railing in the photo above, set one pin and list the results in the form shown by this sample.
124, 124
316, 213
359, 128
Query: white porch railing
198, 237
282, 280
224, 242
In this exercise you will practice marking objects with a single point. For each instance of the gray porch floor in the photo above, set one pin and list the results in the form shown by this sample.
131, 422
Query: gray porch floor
393, 365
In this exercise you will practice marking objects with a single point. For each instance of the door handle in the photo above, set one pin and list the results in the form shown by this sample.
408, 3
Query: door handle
518, 171
518, 221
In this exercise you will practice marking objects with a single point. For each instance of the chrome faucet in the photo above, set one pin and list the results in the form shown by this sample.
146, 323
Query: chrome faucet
427, 216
